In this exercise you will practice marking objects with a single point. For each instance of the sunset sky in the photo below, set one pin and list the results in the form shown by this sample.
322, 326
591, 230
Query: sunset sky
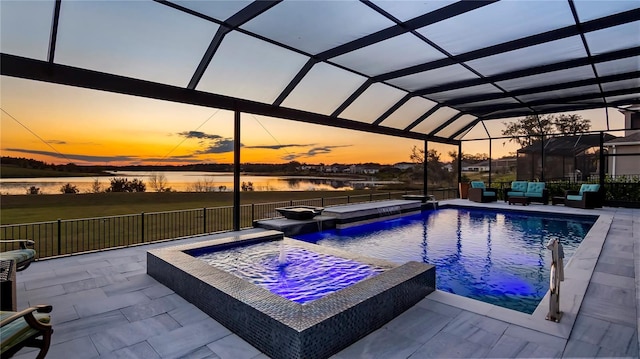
94, 127
61, 124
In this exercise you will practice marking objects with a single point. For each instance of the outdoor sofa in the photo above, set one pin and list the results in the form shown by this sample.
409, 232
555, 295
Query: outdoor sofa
479, 193
534, 191
589, 196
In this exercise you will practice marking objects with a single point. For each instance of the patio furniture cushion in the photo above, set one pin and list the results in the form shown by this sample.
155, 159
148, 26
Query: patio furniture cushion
535, 189
574, 197
22, 256
18, 255
588, 188
477, 184
485, 191
17, 332
519, 186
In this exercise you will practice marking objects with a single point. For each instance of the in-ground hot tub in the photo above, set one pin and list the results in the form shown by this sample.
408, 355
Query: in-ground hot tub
282, 328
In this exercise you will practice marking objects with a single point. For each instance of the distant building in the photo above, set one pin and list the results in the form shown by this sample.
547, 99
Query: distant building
368, 170
476, 167
504, 164
311, 168
404, 165
331, 169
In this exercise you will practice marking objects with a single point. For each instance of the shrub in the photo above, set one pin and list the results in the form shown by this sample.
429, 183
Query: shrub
33, 190
203, 185
158, 182
96, 187
69, 188
247, 186
119, 184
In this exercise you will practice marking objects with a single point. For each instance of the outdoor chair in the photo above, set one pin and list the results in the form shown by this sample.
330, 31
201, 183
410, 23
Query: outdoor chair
534, 191
23, 256
479, 193
28, 328
517, 189
589, 196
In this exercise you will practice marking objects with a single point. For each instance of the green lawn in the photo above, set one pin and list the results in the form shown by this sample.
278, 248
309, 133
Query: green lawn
40, 208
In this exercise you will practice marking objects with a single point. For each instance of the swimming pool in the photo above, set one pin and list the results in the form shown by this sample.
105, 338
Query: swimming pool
488, 255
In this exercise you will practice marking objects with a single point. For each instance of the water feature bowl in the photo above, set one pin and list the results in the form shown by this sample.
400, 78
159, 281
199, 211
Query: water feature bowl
283, 328
300, 212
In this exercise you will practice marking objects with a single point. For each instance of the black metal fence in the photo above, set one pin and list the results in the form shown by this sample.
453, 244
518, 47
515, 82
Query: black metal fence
65, 237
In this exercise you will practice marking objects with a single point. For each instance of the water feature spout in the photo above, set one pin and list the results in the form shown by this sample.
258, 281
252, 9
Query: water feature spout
282, 258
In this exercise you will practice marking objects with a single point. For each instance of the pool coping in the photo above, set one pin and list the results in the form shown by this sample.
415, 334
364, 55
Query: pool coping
577, 275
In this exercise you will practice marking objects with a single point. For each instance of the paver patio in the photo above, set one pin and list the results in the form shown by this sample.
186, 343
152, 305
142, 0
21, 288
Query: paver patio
106, 306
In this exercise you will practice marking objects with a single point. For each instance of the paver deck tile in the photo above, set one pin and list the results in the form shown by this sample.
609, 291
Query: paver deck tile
106, 306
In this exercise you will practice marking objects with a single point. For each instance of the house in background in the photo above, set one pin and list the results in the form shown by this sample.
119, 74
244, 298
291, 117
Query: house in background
504, 164
624, 152
573, 158
404, 165
475, 167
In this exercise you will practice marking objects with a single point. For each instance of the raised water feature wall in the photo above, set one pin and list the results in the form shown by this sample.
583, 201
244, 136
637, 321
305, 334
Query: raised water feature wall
360, 213
281, 328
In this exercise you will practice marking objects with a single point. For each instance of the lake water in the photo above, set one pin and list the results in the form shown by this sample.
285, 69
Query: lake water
181, 181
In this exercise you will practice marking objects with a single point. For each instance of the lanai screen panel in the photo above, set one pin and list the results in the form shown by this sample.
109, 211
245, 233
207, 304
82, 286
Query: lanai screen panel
25, 27
415, 69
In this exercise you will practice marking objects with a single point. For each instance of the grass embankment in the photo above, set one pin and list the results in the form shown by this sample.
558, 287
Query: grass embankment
16, 209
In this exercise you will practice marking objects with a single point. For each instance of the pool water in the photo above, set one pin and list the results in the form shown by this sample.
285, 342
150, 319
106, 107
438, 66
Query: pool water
495, 257
291, 272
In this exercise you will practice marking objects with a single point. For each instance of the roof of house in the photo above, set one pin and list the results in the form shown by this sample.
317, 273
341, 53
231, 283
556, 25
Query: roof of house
569, 145
631, 139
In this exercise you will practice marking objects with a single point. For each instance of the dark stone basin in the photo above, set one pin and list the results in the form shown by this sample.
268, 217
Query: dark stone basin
299, 212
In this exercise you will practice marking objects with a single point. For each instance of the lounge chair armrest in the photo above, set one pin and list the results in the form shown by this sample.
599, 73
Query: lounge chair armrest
24, 243
29, 318
570, 192
491, 189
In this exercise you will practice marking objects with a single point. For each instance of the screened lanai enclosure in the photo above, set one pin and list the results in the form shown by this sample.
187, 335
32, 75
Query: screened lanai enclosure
571, 158
435, 71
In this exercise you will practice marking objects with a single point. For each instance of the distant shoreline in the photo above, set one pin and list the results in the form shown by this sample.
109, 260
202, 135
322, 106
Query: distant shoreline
7, 173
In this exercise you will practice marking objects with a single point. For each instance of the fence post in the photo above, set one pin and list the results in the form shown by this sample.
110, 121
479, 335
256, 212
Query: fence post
59, 236
348, 199
322, 201
204, 219
370, 197
389, 194
290, 202
253, 215
142, 225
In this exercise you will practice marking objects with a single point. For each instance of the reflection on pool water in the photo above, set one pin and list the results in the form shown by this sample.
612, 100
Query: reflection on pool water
495, 257
292, 272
